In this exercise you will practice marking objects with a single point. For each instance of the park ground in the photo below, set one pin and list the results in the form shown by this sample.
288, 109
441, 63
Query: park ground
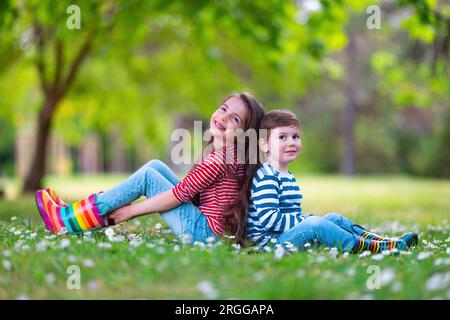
142, 259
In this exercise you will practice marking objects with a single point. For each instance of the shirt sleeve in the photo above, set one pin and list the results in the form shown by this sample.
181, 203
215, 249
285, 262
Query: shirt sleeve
206, 173
265, 198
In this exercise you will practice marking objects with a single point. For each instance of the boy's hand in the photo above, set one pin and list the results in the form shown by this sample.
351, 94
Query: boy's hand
121, 215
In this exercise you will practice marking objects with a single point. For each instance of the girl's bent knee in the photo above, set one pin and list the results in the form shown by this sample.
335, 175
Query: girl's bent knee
154, 163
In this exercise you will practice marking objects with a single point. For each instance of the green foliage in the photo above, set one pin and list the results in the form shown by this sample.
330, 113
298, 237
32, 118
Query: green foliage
153, 61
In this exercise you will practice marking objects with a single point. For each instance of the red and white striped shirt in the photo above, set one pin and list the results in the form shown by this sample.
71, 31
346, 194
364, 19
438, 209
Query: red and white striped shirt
217, 187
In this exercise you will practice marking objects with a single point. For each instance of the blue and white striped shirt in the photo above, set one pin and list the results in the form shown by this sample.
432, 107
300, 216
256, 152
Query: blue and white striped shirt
274, 206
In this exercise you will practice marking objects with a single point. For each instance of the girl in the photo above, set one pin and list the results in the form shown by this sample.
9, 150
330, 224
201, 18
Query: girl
275, 200
215, 182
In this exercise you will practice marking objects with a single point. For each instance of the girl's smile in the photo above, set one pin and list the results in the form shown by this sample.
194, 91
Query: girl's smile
219, 126
229, 117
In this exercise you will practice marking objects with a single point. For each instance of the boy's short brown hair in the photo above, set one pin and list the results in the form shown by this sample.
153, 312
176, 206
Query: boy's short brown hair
279, 118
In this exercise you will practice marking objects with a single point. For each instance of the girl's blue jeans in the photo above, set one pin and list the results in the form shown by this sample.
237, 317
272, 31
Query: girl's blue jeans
186, 221
331, 230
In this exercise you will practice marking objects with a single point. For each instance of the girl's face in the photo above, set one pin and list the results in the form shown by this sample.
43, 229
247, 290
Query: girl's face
283, 146
229, 117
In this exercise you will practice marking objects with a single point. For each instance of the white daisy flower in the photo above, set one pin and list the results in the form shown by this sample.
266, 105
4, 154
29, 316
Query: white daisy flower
300, 273
437, 281
259, 276
387, 276
135, 243
365, 254
88, 263
279, 252
105, 245
7, 265
207, 289
41, 246
64, 243
378, 257
161, 250
50, 278
423, 255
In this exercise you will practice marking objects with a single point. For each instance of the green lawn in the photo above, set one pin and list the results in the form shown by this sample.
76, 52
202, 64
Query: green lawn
147, 262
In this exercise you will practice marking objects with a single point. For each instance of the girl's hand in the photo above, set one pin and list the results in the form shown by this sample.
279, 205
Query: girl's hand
121, 215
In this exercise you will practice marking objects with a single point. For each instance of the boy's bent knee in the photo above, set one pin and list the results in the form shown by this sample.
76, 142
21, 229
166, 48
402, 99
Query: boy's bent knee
314, 221
333, 217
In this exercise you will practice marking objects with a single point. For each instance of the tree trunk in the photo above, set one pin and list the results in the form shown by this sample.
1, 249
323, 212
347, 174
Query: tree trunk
37, 169
348, 118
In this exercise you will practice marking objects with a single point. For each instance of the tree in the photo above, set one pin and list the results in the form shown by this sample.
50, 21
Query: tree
58, 52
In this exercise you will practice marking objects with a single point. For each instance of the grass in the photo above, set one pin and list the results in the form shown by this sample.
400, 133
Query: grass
148, 262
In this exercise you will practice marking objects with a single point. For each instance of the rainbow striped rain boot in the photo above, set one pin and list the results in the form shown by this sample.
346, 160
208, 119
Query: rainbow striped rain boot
410, 238
55, 197
376, 246
77, 218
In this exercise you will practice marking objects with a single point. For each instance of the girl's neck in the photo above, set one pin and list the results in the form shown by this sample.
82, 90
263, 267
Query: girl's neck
220, 143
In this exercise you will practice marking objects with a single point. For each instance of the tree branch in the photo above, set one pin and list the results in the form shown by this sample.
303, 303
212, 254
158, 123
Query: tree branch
77, 62
41, 66
59, 58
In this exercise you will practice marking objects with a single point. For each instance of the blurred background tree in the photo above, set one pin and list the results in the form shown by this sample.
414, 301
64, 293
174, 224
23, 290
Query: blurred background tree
370, 101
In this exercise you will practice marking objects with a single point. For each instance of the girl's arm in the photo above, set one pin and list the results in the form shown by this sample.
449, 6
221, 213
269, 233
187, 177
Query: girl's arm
203, 176
158, 203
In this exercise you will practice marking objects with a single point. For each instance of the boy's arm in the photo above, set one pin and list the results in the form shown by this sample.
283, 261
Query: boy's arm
158, 203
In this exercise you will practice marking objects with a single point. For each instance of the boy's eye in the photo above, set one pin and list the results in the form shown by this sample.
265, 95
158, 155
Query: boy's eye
296, 137
282, 137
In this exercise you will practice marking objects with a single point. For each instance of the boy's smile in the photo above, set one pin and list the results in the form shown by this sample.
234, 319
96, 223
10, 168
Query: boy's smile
283, 146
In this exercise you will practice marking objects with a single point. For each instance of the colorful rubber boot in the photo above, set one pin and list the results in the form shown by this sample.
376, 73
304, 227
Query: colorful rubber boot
55, 197
410, 238
77, 218
362, 232
376, 246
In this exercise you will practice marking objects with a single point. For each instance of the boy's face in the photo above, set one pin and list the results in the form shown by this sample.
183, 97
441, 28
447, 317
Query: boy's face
284, 145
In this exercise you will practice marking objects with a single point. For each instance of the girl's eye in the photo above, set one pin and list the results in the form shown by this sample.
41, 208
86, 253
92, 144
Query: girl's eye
282, 137
235, 119
296, 137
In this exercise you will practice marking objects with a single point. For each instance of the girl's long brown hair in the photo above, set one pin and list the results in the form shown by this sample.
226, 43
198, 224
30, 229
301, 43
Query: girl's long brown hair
235, 215
235, 218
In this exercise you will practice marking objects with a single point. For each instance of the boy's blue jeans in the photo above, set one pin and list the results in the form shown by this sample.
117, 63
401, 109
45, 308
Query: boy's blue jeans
331, 230
186, 221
